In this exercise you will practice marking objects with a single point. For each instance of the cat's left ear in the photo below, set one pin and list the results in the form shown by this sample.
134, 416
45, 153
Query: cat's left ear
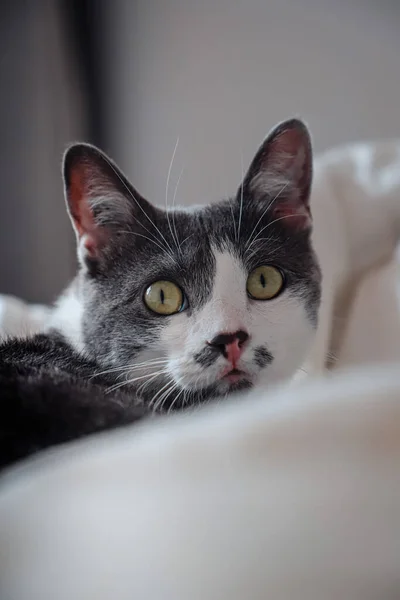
280, 175
101, 202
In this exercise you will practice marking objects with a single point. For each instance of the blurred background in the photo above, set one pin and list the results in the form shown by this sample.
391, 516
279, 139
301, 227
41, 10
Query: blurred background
133, 76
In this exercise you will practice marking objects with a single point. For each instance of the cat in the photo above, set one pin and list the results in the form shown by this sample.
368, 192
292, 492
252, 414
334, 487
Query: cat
169, 309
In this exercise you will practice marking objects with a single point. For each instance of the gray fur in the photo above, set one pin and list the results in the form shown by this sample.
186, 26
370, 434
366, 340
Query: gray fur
117, 324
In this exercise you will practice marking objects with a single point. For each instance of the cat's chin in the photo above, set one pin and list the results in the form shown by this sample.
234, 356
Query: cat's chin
240, 385
230, 385
219, 389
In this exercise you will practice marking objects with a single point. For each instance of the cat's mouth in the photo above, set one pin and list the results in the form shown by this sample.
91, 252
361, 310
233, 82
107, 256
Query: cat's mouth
235, 376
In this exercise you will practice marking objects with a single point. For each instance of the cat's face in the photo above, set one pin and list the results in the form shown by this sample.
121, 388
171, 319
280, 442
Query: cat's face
193, 304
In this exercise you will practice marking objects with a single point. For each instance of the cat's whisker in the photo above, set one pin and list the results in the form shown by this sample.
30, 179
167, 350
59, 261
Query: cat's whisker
131, 371
271, 252
182, 390
193, 400
149, 363
192, 393
177, 388
190, 399
131, 381
265, 212
279, 194
233, 220
146, 383
185, 240
151, 240
166, 396
131, 194
173, 208
153, 402
160, 395
141, 388
273, 248
166, 194
150, 233
183, 403
241, 200
270, 224
134, 366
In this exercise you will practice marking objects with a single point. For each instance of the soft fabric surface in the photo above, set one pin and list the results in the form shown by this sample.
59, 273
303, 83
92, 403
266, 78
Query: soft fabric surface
367, 326
18, 318
274, 496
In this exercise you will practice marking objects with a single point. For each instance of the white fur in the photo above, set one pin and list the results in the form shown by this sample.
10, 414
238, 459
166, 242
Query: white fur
20, 319
67, 317
280, 324
286, 495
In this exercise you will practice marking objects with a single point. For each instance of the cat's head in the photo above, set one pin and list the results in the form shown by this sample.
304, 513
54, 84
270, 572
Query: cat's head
201, 301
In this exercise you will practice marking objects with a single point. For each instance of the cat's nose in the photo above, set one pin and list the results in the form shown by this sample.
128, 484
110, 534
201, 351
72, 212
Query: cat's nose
231, 345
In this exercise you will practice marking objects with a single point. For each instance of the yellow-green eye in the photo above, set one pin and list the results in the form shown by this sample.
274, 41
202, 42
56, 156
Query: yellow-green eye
264, 283
164, 298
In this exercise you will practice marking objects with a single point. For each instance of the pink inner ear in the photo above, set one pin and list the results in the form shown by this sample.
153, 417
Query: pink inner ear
289, 156
296, 214
287, 142
79, 201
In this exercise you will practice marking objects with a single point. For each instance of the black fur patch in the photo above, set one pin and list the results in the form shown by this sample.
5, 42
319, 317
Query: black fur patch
262, 357
206, 357
48, 397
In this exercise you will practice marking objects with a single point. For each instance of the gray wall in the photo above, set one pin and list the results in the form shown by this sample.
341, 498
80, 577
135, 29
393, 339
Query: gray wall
40, 112
220, 73
216, 73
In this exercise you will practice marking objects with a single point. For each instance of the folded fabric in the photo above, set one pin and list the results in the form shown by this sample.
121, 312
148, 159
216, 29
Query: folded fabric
287, 494
18, 318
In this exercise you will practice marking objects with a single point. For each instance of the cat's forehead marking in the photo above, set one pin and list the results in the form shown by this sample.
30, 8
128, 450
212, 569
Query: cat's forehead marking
226, 307
230, 277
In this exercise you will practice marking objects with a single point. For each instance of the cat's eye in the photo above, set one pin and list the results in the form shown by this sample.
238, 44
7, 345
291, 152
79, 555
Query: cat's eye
164, 298
264, 283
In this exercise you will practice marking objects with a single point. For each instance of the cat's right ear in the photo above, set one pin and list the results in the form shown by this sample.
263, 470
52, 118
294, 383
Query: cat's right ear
280, 175
100, 200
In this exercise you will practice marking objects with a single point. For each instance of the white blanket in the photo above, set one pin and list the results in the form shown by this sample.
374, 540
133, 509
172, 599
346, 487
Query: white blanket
18, 318
268, 497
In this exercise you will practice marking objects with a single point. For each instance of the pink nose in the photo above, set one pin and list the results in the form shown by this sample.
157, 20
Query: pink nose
231, 345
233, 352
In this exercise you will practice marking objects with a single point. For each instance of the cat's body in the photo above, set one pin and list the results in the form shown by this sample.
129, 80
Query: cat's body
49, 396
172, 309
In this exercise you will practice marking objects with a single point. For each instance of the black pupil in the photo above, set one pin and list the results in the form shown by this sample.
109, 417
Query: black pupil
162, 296
262, 280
